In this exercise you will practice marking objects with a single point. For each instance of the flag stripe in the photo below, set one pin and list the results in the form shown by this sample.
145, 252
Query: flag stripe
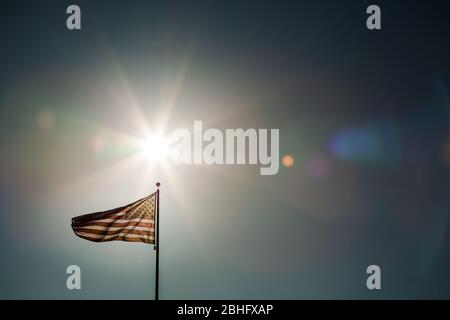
126, 227
109, 224
108, 232
119, 214
111, 233
109, 237
124, 220
148, 241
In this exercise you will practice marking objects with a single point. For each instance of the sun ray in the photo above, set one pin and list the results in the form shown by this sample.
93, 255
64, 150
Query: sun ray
105, 176
169, 94
93, 126
176, 187
134, 108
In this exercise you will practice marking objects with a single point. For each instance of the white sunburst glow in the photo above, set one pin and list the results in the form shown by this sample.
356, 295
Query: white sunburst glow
155, 147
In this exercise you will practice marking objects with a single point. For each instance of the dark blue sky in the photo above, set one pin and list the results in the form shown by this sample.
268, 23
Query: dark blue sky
365, 114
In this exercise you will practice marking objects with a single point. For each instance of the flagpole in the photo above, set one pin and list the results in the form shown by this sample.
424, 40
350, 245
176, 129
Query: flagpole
157, 244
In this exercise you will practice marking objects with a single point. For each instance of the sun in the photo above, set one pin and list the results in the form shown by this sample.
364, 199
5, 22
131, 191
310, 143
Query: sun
155, 148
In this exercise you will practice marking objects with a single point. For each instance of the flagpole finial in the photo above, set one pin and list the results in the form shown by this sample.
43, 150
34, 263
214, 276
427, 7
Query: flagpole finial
158, 184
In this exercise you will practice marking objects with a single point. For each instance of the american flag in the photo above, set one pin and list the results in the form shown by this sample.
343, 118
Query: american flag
134, 222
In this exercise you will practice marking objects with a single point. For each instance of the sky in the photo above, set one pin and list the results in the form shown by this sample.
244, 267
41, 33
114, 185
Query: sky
364, 114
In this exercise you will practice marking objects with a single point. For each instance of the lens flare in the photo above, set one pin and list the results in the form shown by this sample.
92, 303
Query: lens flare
288, 161
376, 143
446, 152
45, 121
319, 167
